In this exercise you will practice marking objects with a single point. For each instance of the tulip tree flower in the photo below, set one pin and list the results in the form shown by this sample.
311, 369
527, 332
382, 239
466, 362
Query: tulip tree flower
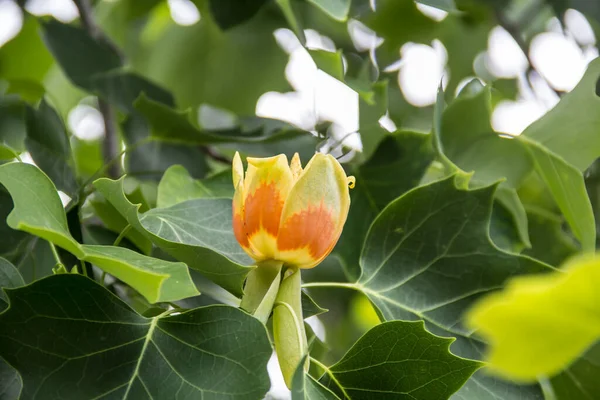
287, 218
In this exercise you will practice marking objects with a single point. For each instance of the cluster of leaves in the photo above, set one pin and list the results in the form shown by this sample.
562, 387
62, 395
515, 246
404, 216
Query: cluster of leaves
102, 296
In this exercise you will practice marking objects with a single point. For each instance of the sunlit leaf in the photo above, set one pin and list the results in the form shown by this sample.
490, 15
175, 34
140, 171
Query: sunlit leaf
538, 325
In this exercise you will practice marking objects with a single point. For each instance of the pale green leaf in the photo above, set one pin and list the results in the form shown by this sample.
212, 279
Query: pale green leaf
177, 186
336, 9
9, 278
540, 324
399, 359
102, 349
197, 232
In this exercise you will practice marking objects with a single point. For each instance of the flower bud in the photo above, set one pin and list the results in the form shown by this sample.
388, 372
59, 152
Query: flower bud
286, 213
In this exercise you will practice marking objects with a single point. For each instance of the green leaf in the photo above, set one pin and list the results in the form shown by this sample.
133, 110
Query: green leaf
9, 278
397, 166
510, 200
203, 64
402, 360
155, 279
122, 88
30, 91
79, 55
229, 13
568, 189
10, 382
436, 230
336, 9
468, 140
87, 155
49, 147
329, 62
550, 243
540, 324
114, 221
7, 153
25, 57
370, 112
151, 160
177, 186
37, 209
197, 232
310, 307
125, 355
305, 387
581, 146
580, 379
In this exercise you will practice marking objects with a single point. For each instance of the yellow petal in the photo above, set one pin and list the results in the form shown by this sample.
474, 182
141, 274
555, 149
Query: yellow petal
296, 166
266, 186
314, 213
237, 170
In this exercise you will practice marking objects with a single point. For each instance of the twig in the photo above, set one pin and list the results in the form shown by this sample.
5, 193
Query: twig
86, 13
214, 155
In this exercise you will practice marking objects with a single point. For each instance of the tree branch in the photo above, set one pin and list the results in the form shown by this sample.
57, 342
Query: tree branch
110, 146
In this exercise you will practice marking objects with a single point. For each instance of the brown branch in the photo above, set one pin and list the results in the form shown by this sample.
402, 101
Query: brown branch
214, 155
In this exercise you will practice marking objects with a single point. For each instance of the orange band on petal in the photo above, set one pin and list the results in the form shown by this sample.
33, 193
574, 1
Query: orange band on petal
312, 229
263, 210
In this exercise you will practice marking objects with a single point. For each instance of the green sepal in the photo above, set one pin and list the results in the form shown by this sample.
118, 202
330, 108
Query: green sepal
288, 327
260, 291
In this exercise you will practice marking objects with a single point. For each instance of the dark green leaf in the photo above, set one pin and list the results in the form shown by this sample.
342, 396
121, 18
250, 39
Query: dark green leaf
10, 382
402, 360
397, 165
103, 348
304, 387
310, 307
9, 278
437, 230
549, 242
580, 379
446, 5
229, 13
49, 147
336, 9
197, 232
79, 55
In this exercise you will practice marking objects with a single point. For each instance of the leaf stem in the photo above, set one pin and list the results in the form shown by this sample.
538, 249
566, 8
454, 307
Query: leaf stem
55, 254
352, 286
328, 372
122, 235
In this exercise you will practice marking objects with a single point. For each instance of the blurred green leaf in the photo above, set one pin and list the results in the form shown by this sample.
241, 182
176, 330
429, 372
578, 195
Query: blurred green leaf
87, 155
49, 147
25, 57
125, 354
6, 153
396, 167
578, 113
28, 90
10, 381
197, 232
229, 13
336, 9
329, 62
550, 243
540, 324
79, 55
446, 5
402, 359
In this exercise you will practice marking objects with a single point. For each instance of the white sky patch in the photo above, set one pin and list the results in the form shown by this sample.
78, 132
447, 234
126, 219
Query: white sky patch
578, 25
11, 20
62, 10
64, 198
422, 68
184, 12
85, 122
512, 117
505, 59
278, 389
558, 59
363, 37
